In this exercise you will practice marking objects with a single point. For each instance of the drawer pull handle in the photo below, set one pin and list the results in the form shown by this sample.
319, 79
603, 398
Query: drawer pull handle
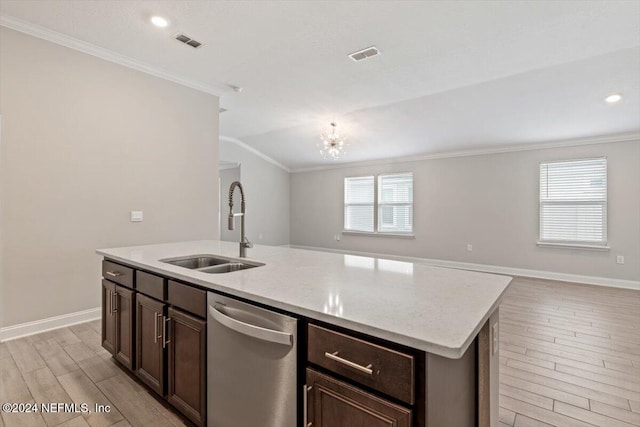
334, 356
305, 408
155, 327
165, 340
114, 301
113, 273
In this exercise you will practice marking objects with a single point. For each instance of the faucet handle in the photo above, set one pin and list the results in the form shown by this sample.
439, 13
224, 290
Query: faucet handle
246, 243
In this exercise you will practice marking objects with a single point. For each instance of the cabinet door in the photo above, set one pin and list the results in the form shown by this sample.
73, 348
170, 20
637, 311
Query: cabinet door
150, 354
108, 317
124, 309
187, 370
333, 403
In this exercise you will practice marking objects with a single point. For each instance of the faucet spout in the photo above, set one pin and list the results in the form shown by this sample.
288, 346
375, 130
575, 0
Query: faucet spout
244, 242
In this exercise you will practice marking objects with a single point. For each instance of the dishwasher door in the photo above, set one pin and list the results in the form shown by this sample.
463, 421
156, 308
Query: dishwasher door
251, 365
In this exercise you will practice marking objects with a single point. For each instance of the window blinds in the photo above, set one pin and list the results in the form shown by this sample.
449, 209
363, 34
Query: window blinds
358, 203
395, 203
573, 201
384, 205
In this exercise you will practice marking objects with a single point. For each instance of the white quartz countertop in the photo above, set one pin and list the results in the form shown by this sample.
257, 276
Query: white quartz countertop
435, 309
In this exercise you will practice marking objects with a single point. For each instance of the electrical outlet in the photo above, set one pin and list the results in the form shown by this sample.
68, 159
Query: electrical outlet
260, 236
620, 259
336, 237
469, 247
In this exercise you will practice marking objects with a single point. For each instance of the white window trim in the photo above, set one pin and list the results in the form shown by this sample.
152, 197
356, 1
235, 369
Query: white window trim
570, 244
376, 208
379, 234
573, 245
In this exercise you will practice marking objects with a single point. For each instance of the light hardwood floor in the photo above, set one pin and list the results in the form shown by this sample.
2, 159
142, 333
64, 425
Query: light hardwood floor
69, 365
570, 356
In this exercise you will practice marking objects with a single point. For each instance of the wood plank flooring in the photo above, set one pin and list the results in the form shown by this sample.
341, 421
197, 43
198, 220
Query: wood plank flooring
570, 356
69, 365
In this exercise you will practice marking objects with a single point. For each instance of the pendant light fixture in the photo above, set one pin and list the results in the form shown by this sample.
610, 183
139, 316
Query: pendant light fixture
332, 144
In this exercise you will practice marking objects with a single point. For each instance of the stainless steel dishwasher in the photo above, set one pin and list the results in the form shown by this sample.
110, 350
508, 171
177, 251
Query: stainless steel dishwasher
251, 365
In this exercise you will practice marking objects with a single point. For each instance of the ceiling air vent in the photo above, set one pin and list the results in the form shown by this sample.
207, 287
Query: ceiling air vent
188, 40
364, 53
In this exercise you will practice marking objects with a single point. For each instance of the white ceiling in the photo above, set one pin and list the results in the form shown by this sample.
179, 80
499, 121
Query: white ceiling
452, 76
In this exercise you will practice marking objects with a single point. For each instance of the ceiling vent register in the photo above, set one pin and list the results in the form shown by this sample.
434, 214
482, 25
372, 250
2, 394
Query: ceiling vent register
188, 40
364, 54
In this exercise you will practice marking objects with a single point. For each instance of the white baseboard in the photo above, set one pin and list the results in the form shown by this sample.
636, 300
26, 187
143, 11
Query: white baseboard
30, 328
538, 274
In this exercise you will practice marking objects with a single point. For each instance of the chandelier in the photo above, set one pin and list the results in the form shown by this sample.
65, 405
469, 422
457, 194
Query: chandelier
332, 144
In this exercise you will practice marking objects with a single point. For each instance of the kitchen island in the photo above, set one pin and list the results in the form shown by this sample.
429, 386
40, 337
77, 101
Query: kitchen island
443, 320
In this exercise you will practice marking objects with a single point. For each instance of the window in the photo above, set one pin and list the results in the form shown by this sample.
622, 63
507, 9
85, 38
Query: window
358, 203
395, 203
573, 202
383, 205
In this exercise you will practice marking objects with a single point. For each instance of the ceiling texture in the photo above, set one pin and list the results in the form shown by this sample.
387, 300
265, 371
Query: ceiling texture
452, 76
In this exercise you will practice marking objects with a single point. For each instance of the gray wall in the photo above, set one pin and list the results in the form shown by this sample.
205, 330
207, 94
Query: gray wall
84, 142
266, 188
490, 201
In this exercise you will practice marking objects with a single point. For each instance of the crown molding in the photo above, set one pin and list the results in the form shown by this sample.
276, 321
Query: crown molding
252, 150
106, 54
634, 136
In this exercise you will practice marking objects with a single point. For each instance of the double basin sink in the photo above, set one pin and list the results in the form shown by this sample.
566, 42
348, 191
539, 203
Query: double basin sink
212, 264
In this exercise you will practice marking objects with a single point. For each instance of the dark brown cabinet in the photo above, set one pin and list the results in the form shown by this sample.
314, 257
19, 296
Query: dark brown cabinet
333, 403
171, 345
381, 368
368, 383
124, 336
151, 341
187, 365
117, 322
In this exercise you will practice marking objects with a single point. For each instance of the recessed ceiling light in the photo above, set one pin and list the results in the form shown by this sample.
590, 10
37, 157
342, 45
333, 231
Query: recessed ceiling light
613, 98
159, 21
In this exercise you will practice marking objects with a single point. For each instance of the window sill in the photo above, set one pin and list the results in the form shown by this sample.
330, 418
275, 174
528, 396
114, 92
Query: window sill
574, 246
376, 234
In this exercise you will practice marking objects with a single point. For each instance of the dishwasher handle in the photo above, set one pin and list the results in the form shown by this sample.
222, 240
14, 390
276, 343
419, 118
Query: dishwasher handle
251, 330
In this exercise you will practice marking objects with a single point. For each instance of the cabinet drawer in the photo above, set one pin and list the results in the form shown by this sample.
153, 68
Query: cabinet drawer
188, 298
117, 273
386, 370
152, 285
333, 403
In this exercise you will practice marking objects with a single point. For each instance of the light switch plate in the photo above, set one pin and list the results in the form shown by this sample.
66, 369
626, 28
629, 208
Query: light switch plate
136, 216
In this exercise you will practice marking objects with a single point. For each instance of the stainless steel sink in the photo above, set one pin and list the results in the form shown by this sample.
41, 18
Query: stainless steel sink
211, 264
197, 262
